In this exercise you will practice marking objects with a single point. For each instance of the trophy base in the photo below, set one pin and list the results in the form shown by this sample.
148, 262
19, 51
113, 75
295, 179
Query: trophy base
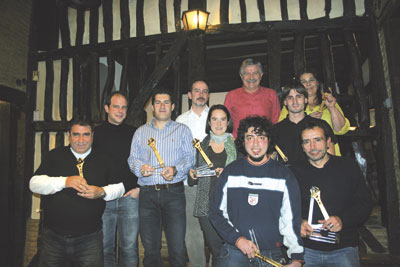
323, 235
204, 173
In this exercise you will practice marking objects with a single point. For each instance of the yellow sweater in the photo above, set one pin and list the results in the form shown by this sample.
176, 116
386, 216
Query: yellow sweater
326, 116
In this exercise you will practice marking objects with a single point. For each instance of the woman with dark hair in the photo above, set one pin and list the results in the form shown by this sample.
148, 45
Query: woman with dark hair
331, 111
219, 146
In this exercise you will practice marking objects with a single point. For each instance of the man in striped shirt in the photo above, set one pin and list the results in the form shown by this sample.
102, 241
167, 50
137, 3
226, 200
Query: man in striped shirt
162, 199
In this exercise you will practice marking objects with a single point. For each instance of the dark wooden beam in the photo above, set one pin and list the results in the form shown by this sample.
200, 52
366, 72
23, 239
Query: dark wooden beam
299, 53
124, 75
80, 26
177, 15
328, 8
125, 19
356, 78
243, 12
76, 103
159, 72
303, 9
12, 95
328, 69
93, 87
284, 10
162, 11
349, 8
139, 18
60, 138
274, 59
109, 84
48, 91
196, 58
193, 4
261, 10
108, 20
64, 25
94, 26
177, 87
44, 144
224, 11
64, 88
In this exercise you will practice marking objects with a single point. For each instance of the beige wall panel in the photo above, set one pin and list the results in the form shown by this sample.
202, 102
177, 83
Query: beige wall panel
117, 20
234, 12
151, 17
213, 8
56, 90
293, 9
132, 16
101, 27
272, 10
316, 9
70, 91
253, 15
360, 8
86, 32
41, 84
72, 24
337, 9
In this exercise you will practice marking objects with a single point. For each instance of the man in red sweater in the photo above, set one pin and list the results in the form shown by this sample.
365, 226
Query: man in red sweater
251, 98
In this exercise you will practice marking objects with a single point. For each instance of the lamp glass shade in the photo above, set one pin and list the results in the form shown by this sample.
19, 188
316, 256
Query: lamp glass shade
195, 20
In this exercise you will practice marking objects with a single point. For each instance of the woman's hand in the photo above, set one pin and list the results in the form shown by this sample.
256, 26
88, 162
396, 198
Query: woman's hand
316, 115
219, 171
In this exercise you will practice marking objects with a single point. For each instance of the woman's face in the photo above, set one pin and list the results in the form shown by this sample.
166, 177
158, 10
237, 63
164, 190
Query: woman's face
310, 83
218, 122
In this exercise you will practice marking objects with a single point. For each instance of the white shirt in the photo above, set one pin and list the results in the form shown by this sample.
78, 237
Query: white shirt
46, 185
196, 124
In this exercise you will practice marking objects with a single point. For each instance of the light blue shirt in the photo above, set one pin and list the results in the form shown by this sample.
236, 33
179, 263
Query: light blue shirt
173, 142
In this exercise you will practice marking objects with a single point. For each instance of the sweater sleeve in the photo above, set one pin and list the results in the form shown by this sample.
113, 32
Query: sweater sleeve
219, 211
276, 108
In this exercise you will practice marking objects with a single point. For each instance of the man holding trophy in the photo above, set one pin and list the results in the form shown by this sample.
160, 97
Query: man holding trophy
335, 201
161, 156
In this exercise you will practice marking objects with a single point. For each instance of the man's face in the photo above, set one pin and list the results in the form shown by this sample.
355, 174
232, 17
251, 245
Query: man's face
162, 107
315, 144
251, 77
80, 138
295, 102
199, 94
117, 109
256, 144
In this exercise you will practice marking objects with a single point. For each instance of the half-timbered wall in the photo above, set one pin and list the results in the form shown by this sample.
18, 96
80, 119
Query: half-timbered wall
63, 93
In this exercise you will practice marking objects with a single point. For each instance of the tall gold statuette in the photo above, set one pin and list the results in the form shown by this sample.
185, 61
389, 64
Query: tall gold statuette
79, 165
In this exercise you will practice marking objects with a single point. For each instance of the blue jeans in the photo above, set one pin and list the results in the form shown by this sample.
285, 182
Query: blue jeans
230, 256
159, 209
344, 257
83, 251
194, 237
121, 214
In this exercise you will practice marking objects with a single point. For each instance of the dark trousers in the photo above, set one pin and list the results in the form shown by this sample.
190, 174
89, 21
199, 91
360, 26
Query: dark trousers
83, 251
212, 238
164, 208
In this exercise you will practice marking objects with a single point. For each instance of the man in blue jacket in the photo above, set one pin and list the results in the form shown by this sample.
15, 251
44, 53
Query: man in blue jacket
259, 195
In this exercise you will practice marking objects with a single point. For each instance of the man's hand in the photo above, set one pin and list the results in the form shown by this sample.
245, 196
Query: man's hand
191, 174
247, 247
146, 170
333, 224
76, 182
168, 173
306, 229
93, 192
133, 193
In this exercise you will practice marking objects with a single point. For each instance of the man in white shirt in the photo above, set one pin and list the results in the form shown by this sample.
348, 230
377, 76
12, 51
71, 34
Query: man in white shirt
195, 119
75, 181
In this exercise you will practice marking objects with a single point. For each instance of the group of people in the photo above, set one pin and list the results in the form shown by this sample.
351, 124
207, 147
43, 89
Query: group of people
232, 193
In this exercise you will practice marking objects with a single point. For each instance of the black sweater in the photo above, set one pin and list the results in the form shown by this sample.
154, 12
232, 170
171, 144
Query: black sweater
115, 140
343, 192
65, 212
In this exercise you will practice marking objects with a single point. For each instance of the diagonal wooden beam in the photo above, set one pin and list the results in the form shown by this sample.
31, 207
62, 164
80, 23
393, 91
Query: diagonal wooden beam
160, 70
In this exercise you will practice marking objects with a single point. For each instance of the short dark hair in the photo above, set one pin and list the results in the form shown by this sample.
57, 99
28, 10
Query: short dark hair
296, 85
161, 91
261, 125
311, 124
123, 94
229, 128
81, 120
199, 80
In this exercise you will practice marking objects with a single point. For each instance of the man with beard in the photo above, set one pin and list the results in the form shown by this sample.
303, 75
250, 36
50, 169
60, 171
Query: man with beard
195, 119
259, 195
286, 133
251, 98
344, 195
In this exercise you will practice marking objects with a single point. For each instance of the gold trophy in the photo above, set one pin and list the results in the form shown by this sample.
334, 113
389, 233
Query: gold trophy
319, 234
152, 143
280, 152
205, 170
79, 165
261, 256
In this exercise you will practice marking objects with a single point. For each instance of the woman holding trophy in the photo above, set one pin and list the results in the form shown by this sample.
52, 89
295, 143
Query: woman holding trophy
215, 152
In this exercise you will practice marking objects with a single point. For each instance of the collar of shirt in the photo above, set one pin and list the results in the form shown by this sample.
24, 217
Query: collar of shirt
81, 156
154, 119
203, 113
